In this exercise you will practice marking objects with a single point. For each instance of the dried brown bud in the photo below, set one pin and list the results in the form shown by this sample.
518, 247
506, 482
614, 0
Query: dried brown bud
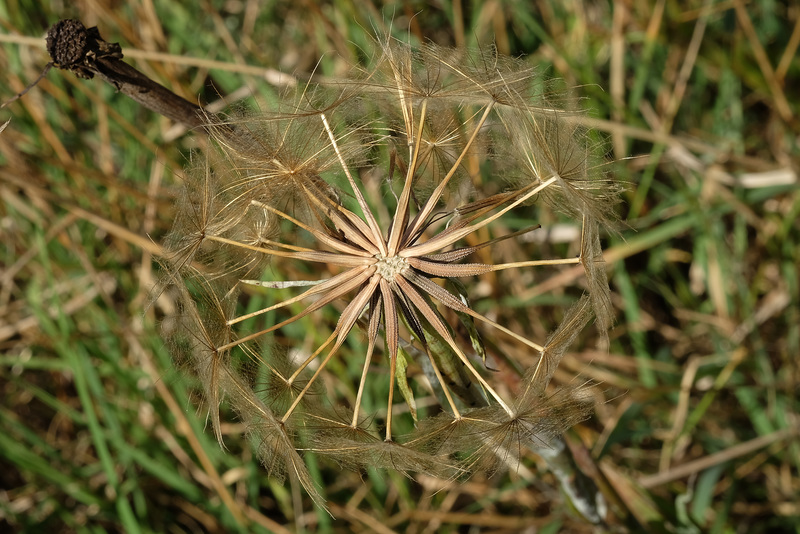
66, 42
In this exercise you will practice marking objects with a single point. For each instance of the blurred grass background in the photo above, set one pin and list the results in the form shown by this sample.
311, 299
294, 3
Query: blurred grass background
697, 103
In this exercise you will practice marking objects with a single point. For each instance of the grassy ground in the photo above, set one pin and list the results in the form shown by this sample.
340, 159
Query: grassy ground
696, 429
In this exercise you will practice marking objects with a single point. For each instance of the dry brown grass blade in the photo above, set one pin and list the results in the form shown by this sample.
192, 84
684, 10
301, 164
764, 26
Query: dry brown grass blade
111, 227
711, 460
790, 53
183, 425
617, 72
367, 521
497, 521
781, 104
689, 59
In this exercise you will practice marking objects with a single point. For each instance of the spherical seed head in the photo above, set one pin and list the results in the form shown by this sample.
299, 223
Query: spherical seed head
397, 179
66, 42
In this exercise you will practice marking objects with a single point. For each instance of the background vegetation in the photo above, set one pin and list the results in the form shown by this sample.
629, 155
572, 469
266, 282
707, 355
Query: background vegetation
696, 429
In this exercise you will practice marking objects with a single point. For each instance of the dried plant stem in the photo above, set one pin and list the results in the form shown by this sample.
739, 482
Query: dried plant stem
155, 97
74, 47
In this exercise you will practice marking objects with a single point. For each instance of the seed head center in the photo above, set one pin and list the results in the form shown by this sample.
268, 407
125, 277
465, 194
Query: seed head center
390, 266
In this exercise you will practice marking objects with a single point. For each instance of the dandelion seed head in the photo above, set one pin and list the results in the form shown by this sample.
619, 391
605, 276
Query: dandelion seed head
358, 198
